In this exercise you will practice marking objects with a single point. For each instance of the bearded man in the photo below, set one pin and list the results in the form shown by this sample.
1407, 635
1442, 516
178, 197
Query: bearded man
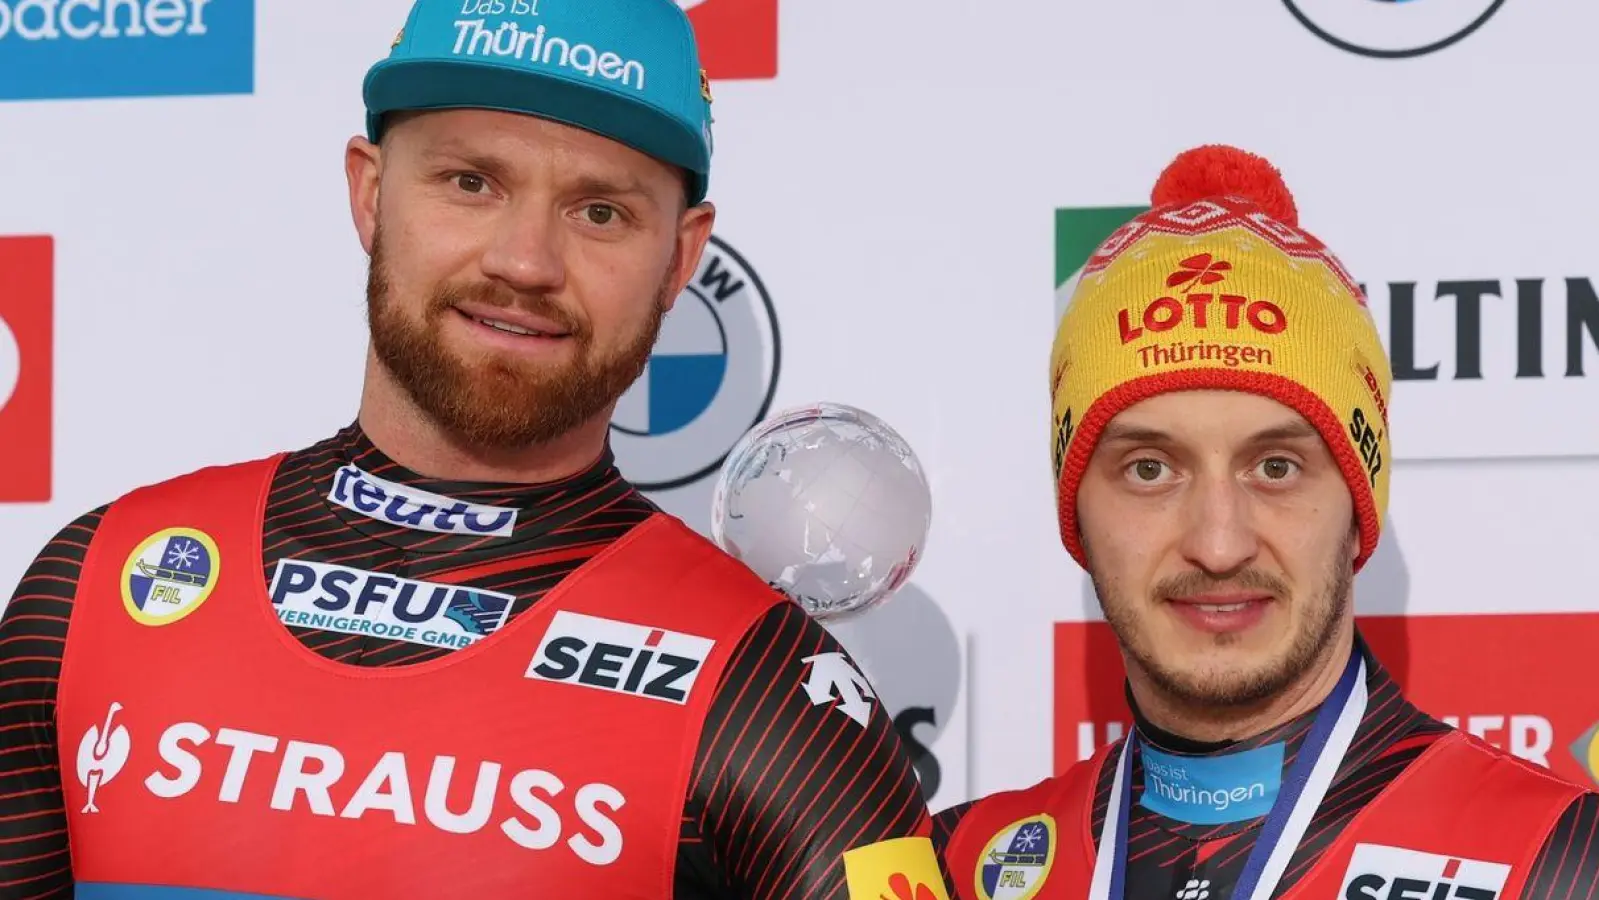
450, 651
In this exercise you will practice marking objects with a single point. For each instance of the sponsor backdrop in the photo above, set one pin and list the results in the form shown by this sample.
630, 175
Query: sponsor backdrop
902, 188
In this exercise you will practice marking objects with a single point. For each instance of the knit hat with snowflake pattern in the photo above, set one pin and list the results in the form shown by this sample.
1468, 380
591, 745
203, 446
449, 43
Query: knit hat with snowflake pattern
1217, 288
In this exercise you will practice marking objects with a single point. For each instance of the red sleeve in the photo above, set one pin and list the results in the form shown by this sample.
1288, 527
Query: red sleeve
782, 785
945, 824
1568, 864
34, 857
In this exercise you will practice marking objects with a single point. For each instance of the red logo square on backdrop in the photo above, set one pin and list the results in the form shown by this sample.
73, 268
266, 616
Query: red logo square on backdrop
1523, 683
27, 276
737, 38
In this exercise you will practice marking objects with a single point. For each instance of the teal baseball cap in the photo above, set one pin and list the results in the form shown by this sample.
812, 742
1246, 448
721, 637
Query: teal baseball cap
628, 70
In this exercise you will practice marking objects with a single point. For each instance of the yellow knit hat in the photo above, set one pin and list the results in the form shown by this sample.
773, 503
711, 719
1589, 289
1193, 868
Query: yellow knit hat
1216, 288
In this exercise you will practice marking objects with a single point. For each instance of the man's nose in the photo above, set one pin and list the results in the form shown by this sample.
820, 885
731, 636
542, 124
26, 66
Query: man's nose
526, 251
1219, 536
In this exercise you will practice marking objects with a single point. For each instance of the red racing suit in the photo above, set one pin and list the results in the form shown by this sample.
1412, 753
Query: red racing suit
1464, 821
206, 752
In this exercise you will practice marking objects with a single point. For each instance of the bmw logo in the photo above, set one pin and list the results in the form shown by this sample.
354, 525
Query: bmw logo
1392, 29
711, 378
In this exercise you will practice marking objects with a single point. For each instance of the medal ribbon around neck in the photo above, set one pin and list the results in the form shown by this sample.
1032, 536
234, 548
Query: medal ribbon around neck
1303, 788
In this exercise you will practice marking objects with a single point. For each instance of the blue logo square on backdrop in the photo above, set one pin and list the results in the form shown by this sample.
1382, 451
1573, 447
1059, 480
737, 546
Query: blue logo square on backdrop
81, 49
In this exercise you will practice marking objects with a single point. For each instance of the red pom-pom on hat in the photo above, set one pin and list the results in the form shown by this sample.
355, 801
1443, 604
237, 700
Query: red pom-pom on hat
1216, 170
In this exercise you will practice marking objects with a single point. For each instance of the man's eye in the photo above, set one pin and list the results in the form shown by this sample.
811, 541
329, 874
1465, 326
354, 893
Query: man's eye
601, 214
1277, 468
1148, 469
472, 184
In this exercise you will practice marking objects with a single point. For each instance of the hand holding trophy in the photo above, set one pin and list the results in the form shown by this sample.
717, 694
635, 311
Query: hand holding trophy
828, 504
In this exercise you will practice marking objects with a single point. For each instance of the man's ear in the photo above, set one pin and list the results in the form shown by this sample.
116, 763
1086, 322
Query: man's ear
693, 233
363, 170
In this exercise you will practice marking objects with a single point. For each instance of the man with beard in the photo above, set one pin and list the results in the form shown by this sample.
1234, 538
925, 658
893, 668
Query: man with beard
450, 651
1220, 398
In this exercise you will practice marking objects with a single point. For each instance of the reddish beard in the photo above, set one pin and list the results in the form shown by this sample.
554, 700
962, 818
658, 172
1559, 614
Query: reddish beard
491, 401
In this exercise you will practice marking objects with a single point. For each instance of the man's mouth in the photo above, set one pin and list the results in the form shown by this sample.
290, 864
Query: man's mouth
1222, 613
1221, 607
1227, 603
513, 322
508, 328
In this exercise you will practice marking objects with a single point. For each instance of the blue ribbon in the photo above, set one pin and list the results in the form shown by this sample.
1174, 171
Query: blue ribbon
1293, 787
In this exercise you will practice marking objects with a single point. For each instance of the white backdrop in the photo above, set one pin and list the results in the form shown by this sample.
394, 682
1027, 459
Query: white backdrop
895, 187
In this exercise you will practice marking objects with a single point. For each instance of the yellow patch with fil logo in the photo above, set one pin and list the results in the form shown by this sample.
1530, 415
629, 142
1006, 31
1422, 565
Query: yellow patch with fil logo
1016, 860
898, 869
169, 574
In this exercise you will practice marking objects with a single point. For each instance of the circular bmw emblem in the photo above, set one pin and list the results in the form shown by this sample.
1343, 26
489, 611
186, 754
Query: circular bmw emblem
710, 379
1392, 29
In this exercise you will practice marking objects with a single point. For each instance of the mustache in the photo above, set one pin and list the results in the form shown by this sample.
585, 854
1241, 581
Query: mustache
1187, 584
489, 294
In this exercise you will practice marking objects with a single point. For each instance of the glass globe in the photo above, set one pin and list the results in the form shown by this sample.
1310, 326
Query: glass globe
828, 504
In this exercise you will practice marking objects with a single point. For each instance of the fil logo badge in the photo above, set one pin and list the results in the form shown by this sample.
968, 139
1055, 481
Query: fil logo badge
169, 575
833, 677
1017, 859
101, 755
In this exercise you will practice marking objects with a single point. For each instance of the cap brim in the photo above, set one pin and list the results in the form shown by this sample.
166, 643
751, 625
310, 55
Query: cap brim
395, 85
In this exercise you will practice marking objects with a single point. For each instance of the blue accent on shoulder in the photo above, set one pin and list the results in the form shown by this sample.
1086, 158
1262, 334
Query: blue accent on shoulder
100, 890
